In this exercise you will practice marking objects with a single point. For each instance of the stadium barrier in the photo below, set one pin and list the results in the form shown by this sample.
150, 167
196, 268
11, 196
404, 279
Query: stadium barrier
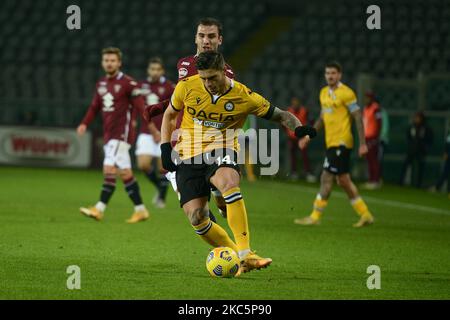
44, 146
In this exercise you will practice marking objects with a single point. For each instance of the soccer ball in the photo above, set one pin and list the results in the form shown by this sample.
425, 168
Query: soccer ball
222, 262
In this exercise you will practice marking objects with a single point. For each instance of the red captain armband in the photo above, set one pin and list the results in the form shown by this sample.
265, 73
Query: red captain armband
155, 109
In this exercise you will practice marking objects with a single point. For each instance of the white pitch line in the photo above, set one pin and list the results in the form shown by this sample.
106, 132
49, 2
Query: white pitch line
399, 204
391, 203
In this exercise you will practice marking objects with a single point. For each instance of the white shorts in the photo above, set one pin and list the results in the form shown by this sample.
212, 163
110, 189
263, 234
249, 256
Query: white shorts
145, 145
117, 154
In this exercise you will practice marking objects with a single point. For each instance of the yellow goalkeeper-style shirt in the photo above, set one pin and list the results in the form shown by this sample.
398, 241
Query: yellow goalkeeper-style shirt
337, 106
207, 119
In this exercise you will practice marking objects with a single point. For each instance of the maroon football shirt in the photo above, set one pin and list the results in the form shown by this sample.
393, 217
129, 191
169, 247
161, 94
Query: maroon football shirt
186, 68
115, 98
153, 93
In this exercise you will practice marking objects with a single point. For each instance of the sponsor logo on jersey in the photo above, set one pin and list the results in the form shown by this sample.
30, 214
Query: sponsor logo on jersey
145, 91
185, 63
102, 90
326, 109
108, 102
207, 123
182, 73
210, 116
229, 106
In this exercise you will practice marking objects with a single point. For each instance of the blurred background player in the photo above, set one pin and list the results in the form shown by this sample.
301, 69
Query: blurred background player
247, 138
301, 113
115, 97
155, 88
372, 119
384, 139
419, 138
339, 105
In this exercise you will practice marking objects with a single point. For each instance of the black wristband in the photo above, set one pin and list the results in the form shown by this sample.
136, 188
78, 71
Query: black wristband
302, 131
166, 147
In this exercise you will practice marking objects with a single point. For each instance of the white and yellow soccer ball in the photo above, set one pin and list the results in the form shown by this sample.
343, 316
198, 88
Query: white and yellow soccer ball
222, 262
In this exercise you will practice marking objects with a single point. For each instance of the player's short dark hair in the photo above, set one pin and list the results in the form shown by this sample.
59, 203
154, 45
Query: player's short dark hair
210, 60
157, 60
208, 21
334, 64
112, 50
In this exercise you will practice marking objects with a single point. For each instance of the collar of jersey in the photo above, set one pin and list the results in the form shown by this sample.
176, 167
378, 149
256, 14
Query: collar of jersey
161, 80
215, 98
118, 77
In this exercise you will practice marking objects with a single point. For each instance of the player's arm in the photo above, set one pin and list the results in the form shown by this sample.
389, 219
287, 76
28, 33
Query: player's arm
319, 123
156, 109
285, 118
136, 98
154, 132
303, 132
357, 116
92, 111
168, 126
355, 111
262, 108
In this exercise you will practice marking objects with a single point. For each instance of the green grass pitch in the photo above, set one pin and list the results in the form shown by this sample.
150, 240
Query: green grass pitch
42, 233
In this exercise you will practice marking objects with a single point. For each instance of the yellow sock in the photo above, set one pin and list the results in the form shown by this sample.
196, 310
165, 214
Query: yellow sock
237, 219
318, 207
214, 234
360, 207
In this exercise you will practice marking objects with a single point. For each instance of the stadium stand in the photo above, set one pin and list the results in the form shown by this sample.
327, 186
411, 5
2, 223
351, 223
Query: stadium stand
406, 45
57, 68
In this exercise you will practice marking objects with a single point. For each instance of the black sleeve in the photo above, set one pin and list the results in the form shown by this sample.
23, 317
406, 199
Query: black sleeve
269, 113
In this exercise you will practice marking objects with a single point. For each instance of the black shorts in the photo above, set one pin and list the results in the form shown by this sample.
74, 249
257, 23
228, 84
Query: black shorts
337, 160
193, 174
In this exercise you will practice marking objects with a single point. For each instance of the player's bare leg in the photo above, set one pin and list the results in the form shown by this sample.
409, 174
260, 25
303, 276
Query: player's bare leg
357, 202
227, 181
326, 185
197, 212
220, 202
132, 188
109, 185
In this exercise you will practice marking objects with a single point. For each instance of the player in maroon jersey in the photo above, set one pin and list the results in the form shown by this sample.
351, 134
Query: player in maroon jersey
116, 96
208, 38
155, 89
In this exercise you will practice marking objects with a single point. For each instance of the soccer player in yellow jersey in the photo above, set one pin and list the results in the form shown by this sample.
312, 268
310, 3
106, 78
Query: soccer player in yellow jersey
338, 103
206, 151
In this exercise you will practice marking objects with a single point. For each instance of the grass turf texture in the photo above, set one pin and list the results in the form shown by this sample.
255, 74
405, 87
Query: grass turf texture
42, 232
